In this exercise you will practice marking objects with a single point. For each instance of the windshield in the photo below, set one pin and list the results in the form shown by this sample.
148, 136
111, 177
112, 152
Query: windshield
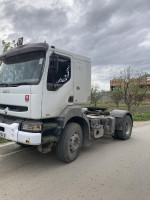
24, 69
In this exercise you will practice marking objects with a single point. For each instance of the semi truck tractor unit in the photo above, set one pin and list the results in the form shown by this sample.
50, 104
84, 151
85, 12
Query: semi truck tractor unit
41, 90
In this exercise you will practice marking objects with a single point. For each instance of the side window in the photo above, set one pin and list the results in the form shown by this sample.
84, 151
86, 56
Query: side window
56, 78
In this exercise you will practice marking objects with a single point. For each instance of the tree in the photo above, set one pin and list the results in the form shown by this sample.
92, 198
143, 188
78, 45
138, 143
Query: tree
7, 45
116, 95
102, 93
94, 94
139, 95
134, 86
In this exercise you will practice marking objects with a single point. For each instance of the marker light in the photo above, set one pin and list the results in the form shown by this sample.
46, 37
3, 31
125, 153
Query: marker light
26, 97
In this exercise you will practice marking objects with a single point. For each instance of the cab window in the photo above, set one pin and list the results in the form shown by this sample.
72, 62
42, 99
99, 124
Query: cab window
56, 78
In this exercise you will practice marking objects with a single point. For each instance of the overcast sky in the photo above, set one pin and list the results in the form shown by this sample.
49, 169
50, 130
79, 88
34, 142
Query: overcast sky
114, 33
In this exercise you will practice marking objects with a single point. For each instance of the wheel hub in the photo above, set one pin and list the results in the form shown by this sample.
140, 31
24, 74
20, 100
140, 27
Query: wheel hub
74, 142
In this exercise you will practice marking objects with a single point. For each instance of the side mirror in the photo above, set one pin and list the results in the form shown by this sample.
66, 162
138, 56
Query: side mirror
53, 62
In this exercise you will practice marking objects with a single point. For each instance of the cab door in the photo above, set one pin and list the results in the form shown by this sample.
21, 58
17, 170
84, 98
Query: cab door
58, 90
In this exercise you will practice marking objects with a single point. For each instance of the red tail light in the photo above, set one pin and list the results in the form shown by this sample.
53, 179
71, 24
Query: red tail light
26, 97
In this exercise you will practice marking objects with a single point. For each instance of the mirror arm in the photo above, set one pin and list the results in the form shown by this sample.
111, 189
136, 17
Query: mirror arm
53, 64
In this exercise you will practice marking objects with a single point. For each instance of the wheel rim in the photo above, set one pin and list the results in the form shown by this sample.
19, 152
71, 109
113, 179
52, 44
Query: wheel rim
74, 143
127, 127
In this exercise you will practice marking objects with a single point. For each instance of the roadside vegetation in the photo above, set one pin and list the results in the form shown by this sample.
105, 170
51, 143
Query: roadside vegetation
140, 112
128, 92
3, 140
141, 117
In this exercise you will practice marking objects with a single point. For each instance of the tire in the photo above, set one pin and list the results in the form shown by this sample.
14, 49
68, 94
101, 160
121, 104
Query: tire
70, 143
115, 136
126, 131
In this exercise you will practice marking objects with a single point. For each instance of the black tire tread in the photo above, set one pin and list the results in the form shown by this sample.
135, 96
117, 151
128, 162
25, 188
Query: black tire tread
61, 152
115, 136
121, 133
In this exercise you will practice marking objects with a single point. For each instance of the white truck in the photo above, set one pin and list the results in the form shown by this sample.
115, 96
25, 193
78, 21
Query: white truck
41, 90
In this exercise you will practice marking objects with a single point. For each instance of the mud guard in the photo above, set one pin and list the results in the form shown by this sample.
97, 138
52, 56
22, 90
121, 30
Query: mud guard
119, 116
75, 114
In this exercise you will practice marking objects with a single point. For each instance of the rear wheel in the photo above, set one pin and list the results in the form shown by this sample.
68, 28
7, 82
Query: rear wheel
70, 143
126, 131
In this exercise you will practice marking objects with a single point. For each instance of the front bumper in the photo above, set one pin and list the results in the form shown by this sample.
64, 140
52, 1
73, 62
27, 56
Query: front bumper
11, 132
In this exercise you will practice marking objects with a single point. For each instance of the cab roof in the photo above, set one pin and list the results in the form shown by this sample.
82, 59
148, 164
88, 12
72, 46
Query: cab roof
24, 49
39, 47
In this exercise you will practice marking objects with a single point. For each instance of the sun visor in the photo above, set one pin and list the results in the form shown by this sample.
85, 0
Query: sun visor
24, 49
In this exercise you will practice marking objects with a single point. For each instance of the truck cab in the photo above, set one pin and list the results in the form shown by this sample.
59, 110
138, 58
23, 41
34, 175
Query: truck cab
41, 90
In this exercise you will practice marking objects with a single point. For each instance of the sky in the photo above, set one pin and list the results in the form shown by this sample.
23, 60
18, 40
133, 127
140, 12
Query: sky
115, 34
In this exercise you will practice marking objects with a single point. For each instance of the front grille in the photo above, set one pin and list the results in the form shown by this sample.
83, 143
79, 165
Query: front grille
9, 119
13, 108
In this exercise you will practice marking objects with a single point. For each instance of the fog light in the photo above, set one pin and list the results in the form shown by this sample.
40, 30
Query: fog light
31, 127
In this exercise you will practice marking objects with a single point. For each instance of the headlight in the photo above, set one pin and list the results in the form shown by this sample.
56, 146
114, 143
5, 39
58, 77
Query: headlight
31, 127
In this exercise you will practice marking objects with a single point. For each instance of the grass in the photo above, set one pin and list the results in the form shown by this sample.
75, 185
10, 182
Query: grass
143, 110
141, 117
3, 140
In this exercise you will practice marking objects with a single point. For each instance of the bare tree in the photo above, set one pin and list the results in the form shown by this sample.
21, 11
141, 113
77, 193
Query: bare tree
134, 86
139, 94
116, 95
95, 94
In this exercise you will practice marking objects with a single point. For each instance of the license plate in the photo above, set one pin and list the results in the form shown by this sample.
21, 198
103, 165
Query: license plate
3, 135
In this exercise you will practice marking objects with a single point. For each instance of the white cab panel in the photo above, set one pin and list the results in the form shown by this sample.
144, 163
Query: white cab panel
54, 102
82, 81
15, 96
36, 106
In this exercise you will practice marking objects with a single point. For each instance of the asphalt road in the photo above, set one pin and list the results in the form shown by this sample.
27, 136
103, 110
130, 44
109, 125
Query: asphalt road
108, 170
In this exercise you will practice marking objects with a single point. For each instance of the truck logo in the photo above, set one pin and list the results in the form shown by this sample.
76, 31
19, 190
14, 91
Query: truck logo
6, 91
5, 111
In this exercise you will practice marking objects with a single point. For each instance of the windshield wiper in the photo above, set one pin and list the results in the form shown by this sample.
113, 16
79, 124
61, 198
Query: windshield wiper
7, 85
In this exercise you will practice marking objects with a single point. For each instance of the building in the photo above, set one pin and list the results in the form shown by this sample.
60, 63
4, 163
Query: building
118, 83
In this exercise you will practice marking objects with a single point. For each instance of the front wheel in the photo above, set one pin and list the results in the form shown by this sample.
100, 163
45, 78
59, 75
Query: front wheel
70, 143
126, 131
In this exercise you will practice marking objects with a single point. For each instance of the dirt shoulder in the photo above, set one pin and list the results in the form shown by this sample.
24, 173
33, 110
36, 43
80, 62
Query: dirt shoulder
140, 123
